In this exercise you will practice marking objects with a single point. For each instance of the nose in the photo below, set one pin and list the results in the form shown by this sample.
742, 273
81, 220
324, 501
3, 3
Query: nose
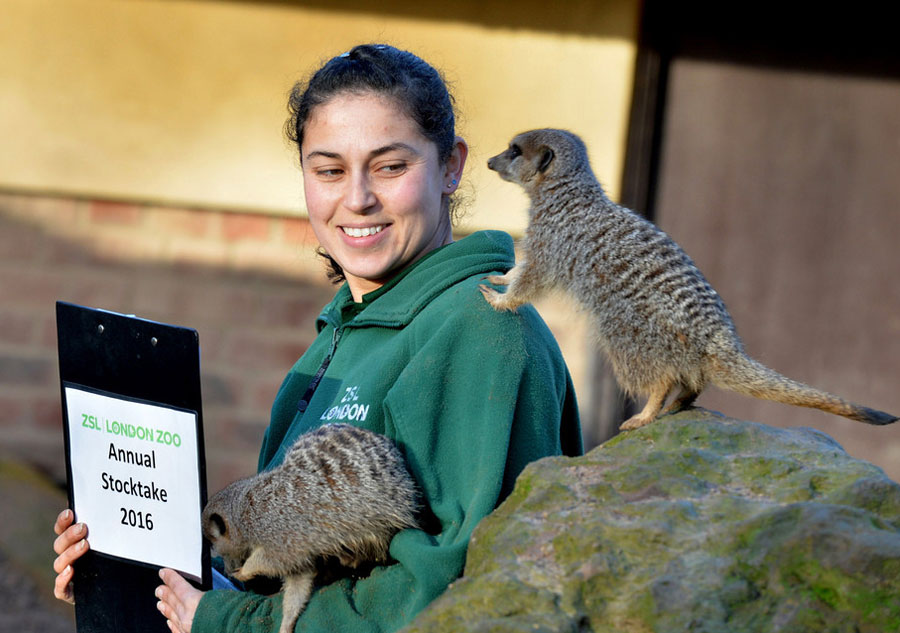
359, 196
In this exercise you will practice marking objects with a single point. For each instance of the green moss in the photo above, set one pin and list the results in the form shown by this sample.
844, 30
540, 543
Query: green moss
826, 595
693, 523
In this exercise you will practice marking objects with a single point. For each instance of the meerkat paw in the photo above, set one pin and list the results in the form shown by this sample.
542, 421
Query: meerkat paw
635, 422
677, 406
499, 300
497, 280
684, 400
257, 564
239, 574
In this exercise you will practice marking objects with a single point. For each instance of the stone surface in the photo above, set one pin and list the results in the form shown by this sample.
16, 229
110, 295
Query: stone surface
693, 523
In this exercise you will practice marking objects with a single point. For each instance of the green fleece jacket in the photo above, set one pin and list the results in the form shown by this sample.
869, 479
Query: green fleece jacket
469, 394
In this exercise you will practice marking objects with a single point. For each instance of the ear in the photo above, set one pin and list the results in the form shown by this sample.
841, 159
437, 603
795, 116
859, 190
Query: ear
454, 168
217, 527
547, 157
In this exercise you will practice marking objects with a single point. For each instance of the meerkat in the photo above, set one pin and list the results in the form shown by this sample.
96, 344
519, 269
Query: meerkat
341, 492
657, 318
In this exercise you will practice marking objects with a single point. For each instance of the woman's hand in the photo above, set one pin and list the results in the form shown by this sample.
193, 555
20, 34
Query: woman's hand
70, 545
178, 601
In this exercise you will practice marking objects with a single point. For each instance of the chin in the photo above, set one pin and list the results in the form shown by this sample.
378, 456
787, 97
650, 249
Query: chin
372, 271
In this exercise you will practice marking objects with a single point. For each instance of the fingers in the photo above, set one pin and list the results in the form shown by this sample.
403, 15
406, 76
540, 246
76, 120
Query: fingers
174, 581
70, 545
169, 606
63, 521
178, 600
67, 534
62, 587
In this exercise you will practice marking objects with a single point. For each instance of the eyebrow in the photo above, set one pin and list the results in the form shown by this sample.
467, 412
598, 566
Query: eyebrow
374, 153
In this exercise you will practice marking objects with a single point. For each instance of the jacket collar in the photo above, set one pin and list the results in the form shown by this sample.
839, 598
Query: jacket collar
396, 303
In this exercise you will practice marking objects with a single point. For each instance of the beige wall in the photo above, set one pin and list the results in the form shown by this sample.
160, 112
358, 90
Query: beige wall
180, 102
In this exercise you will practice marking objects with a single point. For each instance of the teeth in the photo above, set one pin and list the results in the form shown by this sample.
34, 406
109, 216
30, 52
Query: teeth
363, 232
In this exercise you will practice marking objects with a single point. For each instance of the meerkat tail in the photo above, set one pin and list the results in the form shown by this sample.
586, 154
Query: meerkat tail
743, 375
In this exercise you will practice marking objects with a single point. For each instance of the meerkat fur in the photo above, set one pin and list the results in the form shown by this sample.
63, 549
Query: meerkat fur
341, 492
660, 323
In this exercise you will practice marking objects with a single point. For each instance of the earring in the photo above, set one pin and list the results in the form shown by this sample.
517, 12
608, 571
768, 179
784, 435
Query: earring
453, 182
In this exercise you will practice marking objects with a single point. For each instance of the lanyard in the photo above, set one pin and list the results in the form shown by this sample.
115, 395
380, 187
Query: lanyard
317, 378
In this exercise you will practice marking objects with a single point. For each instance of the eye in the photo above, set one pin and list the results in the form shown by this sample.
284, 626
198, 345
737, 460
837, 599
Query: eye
514, 151
393, 168
329, 172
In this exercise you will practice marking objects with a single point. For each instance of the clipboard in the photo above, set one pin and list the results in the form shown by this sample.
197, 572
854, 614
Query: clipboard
135, 462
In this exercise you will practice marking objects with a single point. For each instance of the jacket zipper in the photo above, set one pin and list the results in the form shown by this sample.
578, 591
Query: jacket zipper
317, 378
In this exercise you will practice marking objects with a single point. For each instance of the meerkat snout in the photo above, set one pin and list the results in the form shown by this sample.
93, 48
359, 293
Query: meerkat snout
526, 161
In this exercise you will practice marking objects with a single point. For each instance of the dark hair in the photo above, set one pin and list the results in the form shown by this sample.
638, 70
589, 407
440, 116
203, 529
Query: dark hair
415, 85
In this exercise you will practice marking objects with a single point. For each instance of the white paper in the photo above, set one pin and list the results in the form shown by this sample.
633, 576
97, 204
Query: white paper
136, 479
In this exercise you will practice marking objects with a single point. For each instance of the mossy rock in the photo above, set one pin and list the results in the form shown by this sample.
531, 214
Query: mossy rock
694, 523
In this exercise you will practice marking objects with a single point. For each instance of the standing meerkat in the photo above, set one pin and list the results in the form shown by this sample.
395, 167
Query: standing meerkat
341, 492
659, 321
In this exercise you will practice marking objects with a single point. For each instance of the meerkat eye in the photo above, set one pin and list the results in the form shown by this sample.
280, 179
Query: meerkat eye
515, 151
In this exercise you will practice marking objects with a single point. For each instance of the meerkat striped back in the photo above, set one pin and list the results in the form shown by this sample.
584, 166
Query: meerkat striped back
357, 470
341, 493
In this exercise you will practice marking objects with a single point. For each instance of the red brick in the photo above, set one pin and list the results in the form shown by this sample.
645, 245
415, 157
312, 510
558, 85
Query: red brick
227, 466
294, 312
62, 254
18, 370
26, 288
20, 243
47, 413
184, 222
109, 292
240, 430
297, 231
106, 212
17, 328
46, 331
41, 209
244, 226
211, 341
264, 395
218, 390
254, 352
218, 303
15, 413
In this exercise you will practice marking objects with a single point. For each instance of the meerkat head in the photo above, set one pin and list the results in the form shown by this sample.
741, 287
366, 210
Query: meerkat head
220, 524
538, 156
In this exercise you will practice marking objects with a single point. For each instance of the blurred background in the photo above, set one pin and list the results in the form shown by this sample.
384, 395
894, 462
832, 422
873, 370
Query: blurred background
143, 170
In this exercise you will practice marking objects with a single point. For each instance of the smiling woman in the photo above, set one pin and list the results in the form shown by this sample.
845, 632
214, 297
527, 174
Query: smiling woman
408, 347
375, 187
388, 82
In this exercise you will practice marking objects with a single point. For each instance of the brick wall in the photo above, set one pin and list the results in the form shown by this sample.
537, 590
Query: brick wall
250, 284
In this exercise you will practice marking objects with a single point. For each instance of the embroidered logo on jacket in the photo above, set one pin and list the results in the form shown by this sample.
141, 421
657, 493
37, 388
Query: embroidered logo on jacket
349, 408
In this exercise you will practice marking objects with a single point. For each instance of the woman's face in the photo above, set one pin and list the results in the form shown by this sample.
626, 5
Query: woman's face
374, 187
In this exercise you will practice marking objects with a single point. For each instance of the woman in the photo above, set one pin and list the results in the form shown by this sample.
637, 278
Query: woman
407, 348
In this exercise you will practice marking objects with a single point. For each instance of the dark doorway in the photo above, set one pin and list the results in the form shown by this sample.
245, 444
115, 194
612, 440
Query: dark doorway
767, 143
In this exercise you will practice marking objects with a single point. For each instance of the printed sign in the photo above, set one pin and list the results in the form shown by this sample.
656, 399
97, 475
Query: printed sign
135, 479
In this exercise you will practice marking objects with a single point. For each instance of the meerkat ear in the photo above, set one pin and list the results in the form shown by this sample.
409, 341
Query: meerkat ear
547, 157
217, 526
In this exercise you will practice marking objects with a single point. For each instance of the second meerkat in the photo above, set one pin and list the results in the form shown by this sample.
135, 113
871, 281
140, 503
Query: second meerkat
659, 321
